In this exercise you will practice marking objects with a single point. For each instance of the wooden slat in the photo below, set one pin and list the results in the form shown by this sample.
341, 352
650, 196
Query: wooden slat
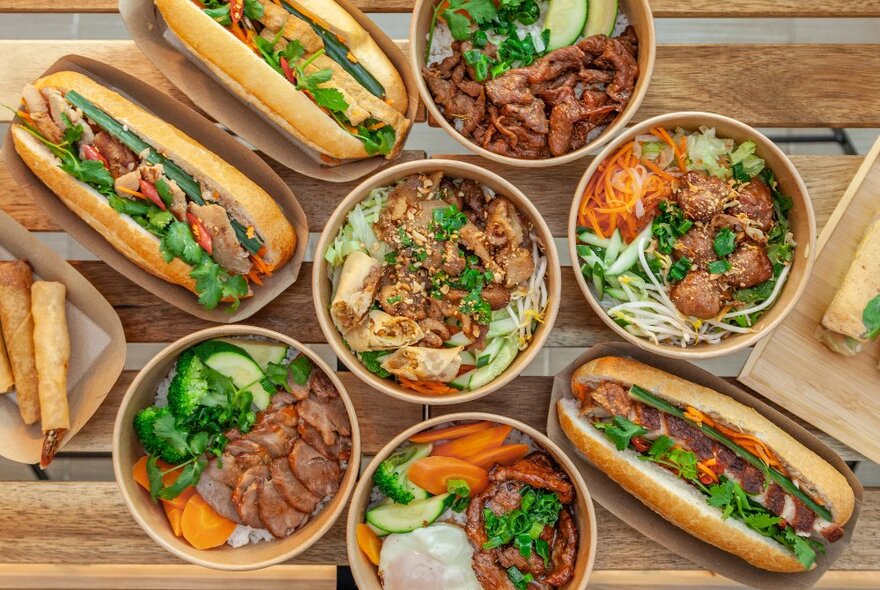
775, 86
382, 418
379, 416
72, 522
528, 398
826, 178
661, 8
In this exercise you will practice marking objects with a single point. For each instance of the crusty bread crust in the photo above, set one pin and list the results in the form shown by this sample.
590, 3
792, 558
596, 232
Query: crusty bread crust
823, 481
362, 45
133, 241
672, 498
251, 78
253, 202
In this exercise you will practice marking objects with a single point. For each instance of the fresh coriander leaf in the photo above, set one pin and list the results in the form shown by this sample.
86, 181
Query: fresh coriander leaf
159, 219
459, 487
300, 369
779, 253
871, 318
620, 431
178, 242
198, 442
459, 25
253, 9
276, 374
377, 141
72, 133
372, 360
91, 172
166, 429
661, 445
725, 241
293, 51
220, 14
680, 269
128, 207
329, 98
154, 474
802, 549
761, 521
318, 77
721, 494
188, 477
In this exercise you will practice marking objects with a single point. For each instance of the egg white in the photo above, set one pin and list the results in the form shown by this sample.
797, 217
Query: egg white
436, 557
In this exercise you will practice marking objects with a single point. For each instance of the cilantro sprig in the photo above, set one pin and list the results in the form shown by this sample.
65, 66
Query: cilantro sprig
871, 318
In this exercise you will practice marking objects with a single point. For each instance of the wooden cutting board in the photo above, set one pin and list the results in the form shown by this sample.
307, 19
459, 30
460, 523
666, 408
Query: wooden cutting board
838, 394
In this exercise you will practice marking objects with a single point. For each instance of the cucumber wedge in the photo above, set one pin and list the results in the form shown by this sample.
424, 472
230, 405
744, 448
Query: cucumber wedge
263, 353
566, 20
502, 360
602, 18
404, 518
234, 362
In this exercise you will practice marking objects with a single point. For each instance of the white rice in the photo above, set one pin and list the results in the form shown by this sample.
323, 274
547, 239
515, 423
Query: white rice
242, 535
161, 399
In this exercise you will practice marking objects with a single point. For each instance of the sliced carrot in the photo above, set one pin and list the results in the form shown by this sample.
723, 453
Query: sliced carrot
433, 474
174, 510
202, 526
449, 433
473, 443
369, 542
505, 455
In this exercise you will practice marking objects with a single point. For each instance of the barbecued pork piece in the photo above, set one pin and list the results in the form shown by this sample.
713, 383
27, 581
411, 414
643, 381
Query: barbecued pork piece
223, 469
749, 266
277, 440
697, 295
320, 475
121, 159
564, 550
617, 56
277, 515
755, 202
701, 196
290, 488
38, 109
226, 249
537, 471
503, 224
697, 245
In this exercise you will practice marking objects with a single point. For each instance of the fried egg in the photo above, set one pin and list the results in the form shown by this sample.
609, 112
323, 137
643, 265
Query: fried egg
436, 557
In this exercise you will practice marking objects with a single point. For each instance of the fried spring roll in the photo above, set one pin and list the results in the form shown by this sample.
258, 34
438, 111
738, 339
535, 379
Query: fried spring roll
52, 352
6, 378
18, 334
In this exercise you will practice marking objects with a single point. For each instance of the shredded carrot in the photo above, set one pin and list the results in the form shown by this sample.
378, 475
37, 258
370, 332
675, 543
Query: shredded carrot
25, 116
427, 387
127, 191
261, 265
746, 441
254, 276
705, 469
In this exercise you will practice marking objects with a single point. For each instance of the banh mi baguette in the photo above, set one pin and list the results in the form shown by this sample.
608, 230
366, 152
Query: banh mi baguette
168, 204
306, 65
688, 452
16, 279
7, 381
52, 354
853, 319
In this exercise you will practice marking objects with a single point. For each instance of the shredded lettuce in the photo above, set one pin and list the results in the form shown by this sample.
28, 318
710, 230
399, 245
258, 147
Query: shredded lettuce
357, 233
708, 152
745, 155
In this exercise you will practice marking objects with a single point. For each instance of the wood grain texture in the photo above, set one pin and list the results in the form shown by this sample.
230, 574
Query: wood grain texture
660, 8
379, 416
685, 78
826, 178
72, 522
835, 392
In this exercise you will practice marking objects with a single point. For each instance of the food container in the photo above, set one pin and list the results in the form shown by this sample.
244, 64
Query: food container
321, 286
639, 14
803, 227
629, 509
365, 573
96, 337
188, 73
151, 517
211, 137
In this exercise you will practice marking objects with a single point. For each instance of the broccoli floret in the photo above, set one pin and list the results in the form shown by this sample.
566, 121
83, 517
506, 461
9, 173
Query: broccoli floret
189, 386
390, 477
166, 441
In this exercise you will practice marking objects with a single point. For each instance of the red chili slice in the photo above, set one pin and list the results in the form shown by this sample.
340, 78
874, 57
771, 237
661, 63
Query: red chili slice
288, 73
91, 153
149, 190
640, 444
706, 478
236, 10
201, 234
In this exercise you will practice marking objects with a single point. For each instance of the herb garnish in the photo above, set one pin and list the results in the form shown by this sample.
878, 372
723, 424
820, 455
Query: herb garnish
669, 225
871, 318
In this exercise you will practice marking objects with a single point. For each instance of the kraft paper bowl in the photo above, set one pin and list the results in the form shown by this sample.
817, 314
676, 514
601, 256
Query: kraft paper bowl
801, 218
639, 14
151, 516
321, 286
366, 575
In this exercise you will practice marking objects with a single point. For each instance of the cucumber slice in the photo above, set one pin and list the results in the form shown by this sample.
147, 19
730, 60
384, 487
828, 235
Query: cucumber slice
234, 362
502, 360
457, 339
461, 382
502, 327
400, 518
263, 353
602, 18
565, 19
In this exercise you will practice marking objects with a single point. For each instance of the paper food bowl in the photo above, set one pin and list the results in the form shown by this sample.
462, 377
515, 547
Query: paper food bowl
639, 14
321, 286
801, 218
366, 575
151, 517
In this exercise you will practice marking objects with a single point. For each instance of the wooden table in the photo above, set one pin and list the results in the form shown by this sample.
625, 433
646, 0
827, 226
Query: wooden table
79, 535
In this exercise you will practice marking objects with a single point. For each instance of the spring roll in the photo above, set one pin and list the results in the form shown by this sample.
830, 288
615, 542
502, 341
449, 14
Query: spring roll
844, 327
6, 378
18, 334
52, 353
